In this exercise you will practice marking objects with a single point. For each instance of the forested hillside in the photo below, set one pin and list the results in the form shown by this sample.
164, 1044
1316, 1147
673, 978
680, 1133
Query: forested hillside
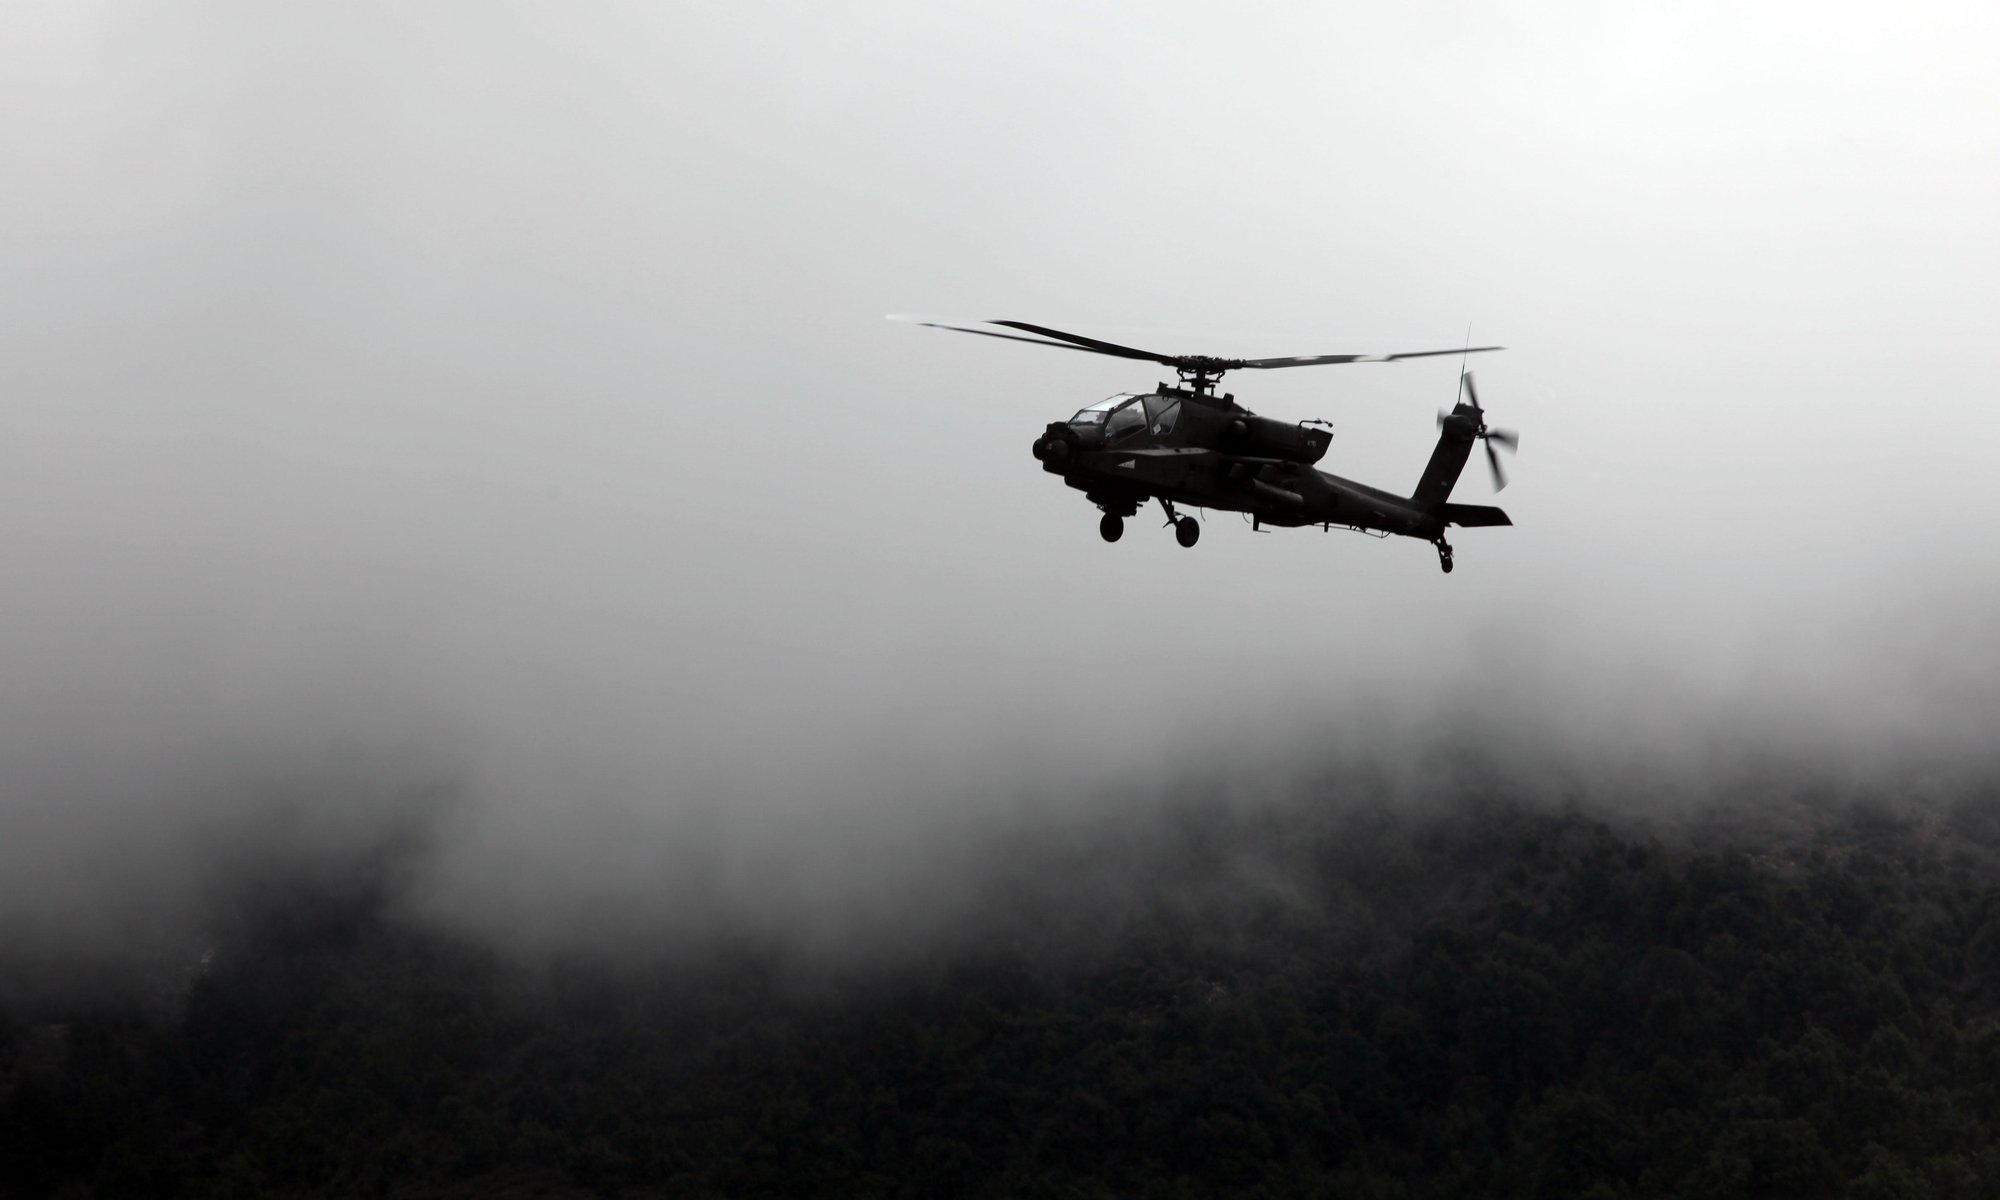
1485, 999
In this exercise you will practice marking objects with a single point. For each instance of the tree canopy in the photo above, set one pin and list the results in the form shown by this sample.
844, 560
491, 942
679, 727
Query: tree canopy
1487, 999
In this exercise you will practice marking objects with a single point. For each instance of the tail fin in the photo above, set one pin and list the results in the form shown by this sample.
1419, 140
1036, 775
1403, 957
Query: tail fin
1456, 434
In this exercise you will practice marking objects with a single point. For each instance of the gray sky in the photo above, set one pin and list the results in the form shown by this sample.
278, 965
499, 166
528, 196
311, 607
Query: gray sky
501, 392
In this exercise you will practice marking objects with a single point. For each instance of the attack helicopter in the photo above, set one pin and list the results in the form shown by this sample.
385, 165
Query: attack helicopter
1186, 445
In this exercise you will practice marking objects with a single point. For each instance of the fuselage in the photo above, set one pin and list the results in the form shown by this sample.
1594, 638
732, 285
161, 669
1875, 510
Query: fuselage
1204, 451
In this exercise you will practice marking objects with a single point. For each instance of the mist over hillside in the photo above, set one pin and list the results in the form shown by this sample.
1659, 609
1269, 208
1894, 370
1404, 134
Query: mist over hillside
128, 871
1460, 987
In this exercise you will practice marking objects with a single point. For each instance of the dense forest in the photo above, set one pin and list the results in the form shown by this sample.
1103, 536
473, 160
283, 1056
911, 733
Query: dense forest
1478, 998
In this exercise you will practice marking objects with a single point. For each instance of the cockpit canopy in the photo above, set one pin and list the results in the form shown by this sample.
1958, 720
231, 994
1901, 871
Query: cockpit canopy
1121, 416
1095, 414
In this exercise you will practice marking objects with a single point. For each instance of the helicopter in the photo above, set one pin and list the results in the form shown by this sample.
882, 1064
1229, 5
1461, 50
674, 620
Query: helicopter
1186, 445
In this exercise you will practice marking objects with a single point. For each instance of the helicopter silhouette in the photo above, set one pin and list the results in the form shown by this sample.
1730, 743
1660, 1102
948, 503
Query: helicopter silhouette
1186, 445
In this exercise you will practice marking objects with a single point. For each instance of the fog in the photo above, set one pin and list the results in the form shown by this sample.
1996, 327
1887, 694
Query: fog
477, 424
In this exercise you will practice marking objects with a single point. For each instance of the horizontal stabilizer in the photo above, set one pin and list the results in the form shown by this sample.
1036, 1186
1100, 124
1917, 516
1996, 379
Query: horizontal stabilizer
1470, 515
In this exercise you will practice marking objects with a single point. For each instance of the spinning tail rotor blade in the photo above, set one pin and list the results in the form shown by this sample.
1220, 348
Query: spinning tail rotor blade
1492, 437
1493, 464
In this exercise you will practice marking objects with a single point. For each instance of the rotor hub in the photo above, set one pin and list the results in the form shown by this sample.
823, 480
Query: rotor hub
1203, 371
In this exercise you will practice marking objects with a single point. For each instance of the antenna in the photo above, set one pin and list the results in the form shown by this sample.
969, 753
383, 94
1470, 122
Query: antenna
1459, 389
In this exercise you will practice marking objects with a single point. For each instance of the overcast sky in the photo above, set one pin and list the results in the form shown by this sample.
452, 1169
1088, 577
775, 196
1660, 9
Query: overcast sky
502, 391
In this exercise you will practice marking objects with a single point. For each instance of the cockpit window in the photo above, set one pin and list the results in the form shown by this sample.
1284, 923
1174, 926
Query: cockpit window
1163, 411
1125, 420
1095, 414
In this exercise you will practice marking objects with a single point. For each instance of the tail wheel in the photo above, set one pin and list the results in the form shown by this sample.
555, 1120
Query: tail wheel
1112, 527
1187, 531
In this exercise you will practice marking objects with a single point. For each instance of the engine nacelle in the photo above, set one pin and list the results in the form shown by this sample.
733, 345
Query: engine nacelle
1262, 437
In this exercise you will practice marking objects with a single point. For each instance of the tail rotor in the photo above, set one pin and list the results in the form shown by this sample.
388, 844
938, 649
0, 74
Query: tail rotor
1468, 403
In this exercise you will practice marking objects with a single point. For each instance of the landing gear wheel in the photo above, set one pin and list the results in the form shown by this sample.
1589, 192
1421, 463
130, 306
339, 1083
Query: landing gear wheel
1444, 557
1187, 531
1112, 527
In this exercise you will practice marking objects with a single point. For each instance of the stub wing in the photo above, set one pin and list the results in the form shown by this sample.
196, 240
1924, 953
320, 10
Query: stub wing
1471, 515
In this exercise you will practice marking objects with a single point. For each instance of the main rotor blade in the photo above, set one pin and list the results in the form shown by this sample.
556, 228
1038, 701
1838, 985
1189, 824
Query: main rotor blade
1085, 343
1204, 364
1315, 360
1012, 337
1054, 337
1505, 437
1493, 462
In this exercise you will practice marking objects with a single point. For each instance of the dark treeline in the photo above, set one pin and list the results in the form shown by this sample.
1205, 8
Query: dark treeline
1483, 1000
